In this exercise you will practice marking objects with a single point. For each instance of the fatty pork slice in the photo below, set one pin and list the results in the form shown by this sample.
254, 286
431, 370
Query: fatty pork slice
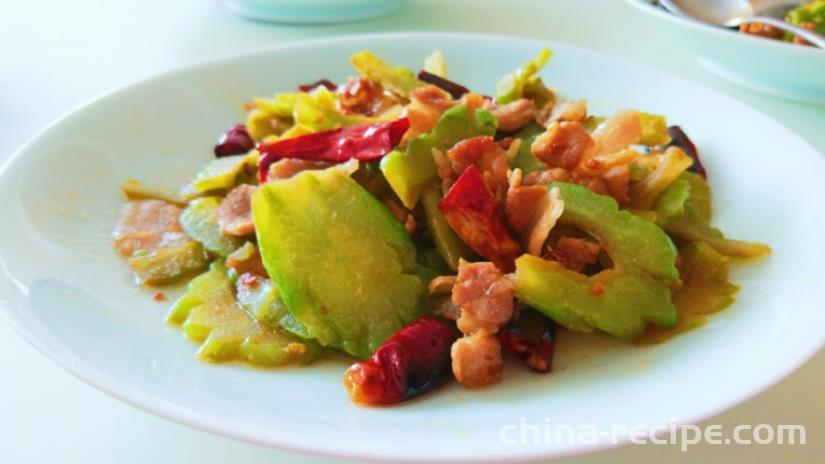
148, 225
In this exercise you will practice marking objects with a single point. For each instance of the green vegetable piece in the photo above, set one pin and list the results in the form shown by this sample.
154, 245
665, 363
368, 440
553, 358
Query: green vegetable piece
627, 303
512, 86
264, 303
684, 211
271, 116
345, 266
690, 229
222, 175
620, 300
689, 192
671, 203
281, 105
134, 190
705, 275
524, 158
435, 63
398, 80
672, 163
410, 172
210, 315
592, 122
167, 265
541, 95
297, 113
706, 290
654, 130
318, 111
199, 221
628, 239
431, 263
290, 324
813, 12
209, 286
273, 348
699, 199
449, 246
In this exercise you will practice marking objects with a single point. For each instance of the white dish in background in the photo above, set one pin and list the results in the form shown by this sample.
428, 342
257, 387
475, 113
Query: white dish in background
311, 11
768, 66
71, 296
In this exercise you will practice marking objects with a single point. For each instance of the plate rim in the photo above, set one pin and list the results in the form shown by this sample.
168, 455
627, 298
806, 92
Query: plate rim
160, 407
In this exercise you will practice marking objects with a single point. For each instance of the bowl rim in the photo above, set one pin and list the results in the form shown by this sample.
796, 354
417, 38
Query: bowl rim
651, 9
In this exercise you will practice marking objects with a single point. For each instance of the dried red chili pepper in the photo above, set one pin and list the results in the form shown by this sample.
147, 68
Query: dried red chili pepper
454, 89
235, 141
411, 362
471, 211
681, 140
531, 337
329, 85
365, 142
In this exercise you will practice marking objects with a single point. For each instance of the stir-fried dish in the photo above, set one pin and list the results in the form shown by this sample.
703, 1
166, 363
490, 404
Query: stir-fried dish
428, 231
809, 15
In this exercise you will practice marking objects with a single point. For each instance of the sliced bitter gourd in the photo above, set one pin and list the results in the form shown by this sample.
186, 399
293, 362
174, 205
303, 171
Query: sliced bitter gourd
210, 315
620, 300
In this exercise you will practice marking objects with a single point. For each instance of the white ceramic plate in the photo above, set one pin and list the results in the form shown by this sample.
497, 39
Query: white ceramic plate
69, 294
768, 66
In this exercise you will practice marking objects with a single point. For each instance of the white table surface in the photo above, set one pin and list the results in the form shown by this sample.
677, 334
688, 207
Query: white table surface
56, 55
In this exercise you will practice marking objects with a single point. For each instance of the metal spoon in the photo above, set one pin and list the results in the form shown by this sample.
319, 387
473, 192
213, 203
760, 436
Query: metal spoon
733, 13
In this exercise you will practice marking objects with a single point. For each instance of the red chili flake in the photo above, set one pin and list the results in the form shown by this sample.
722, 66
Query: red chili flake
159, 296
454, 89
598, 288
411, 362
365, 142
319, 83
471, 211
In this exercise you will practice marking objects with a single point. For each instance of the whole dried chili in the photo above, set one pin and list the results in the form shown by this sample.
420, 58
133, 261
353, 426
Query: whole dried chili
329, 85
454, 89
365, 142
681, 140
235, 141
411, 362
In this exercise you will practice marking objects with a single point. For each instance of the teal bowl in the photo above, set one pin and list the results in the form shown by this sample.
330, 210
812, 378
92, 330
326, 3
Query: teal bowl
768, 66
311, 11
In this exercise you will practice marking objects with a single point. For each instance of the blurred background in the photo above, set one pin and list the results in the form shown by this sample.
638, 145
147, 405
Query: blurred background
57, 55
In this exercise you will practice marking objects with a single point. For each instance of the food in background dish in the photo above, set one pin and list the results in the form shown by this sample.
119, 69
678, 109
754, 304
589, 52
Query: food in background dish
810, 16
